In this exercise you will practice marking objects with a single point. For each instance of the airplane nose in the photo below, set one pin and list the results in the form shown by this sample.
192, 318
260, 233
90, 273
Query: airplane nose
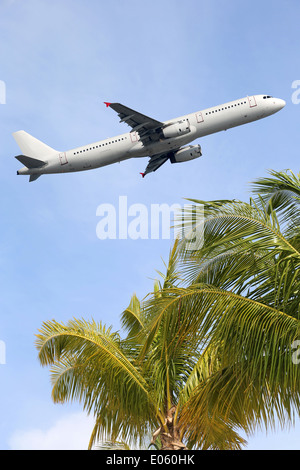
281, 103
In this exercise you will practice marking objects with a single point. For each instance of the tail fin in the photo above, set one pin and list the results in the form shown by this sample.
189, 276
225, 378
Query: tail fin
30, 162
29, 145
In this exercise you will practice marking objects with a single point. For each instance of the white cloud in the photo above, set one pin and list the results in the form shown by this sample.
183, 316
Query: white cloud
72, 432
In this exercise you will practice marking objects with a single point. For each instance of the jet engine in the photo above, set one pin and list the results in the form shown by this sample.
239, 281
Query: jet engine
186, 153
177, 129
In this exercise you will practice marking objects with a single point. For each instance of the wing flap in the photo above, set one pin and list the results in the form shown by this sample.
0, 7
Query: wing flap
156, 162
134, 118
144, 125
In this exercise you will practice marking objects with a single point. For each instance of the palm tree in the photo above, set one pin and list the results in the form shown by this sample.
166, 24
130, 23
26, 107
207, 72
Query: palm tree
243, 285
209, 352
137, 385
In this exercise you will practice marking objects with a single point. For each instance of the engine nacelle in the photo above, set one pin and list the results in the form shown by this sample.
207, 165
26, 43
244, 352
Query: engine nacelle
186, 153
177, 129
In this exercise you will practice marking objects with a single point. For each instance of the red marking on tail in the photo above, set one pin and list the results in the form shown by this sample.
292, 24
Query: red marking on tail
143, 175
107, 104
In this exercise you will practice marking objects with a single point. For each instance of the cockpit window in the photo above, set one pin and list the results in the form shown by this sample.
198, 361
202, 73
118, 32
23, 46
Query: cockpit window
265, 97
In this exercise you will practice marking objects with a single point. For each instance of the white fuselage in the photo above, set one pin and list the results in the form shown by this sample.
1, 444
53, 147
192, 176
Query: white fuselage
129, 145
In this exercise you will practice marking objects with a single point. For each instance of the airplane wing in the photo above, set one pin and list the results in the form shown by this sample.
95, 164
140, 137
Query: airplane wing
145, 126
148, 130
156, 161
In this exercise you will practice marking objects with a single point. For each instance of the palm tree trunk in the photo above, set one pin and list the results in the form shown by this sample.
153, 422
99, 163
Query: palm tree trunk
169, 433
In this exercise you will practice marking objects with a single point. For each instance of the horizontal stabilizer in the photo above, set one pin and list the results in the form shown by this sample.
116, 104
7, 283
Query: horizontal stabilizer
33, 177
30, 162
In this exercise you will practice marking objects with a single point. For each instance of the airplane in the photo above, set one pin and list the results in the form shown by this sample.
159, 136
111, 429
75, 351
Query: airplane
161, 141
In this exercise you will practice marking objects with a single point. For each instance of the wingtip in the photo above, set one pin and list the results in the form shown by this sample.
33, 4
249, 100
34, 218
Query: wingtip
107, 104
143, 175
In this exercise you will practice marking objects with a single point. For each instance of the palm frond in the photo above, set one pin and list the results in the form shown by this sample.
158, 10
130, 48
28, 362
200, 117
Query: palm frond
90, 355
280, 192
132, 319
112, 446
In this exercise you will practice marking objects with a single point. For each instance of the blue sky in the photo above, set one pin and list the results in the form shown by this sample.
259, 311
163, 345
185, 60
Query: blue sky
60, 61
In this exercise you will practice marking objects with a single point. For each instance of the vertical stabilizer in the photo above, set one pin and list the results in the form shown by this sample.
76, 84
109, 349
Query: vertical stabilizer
31, 146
